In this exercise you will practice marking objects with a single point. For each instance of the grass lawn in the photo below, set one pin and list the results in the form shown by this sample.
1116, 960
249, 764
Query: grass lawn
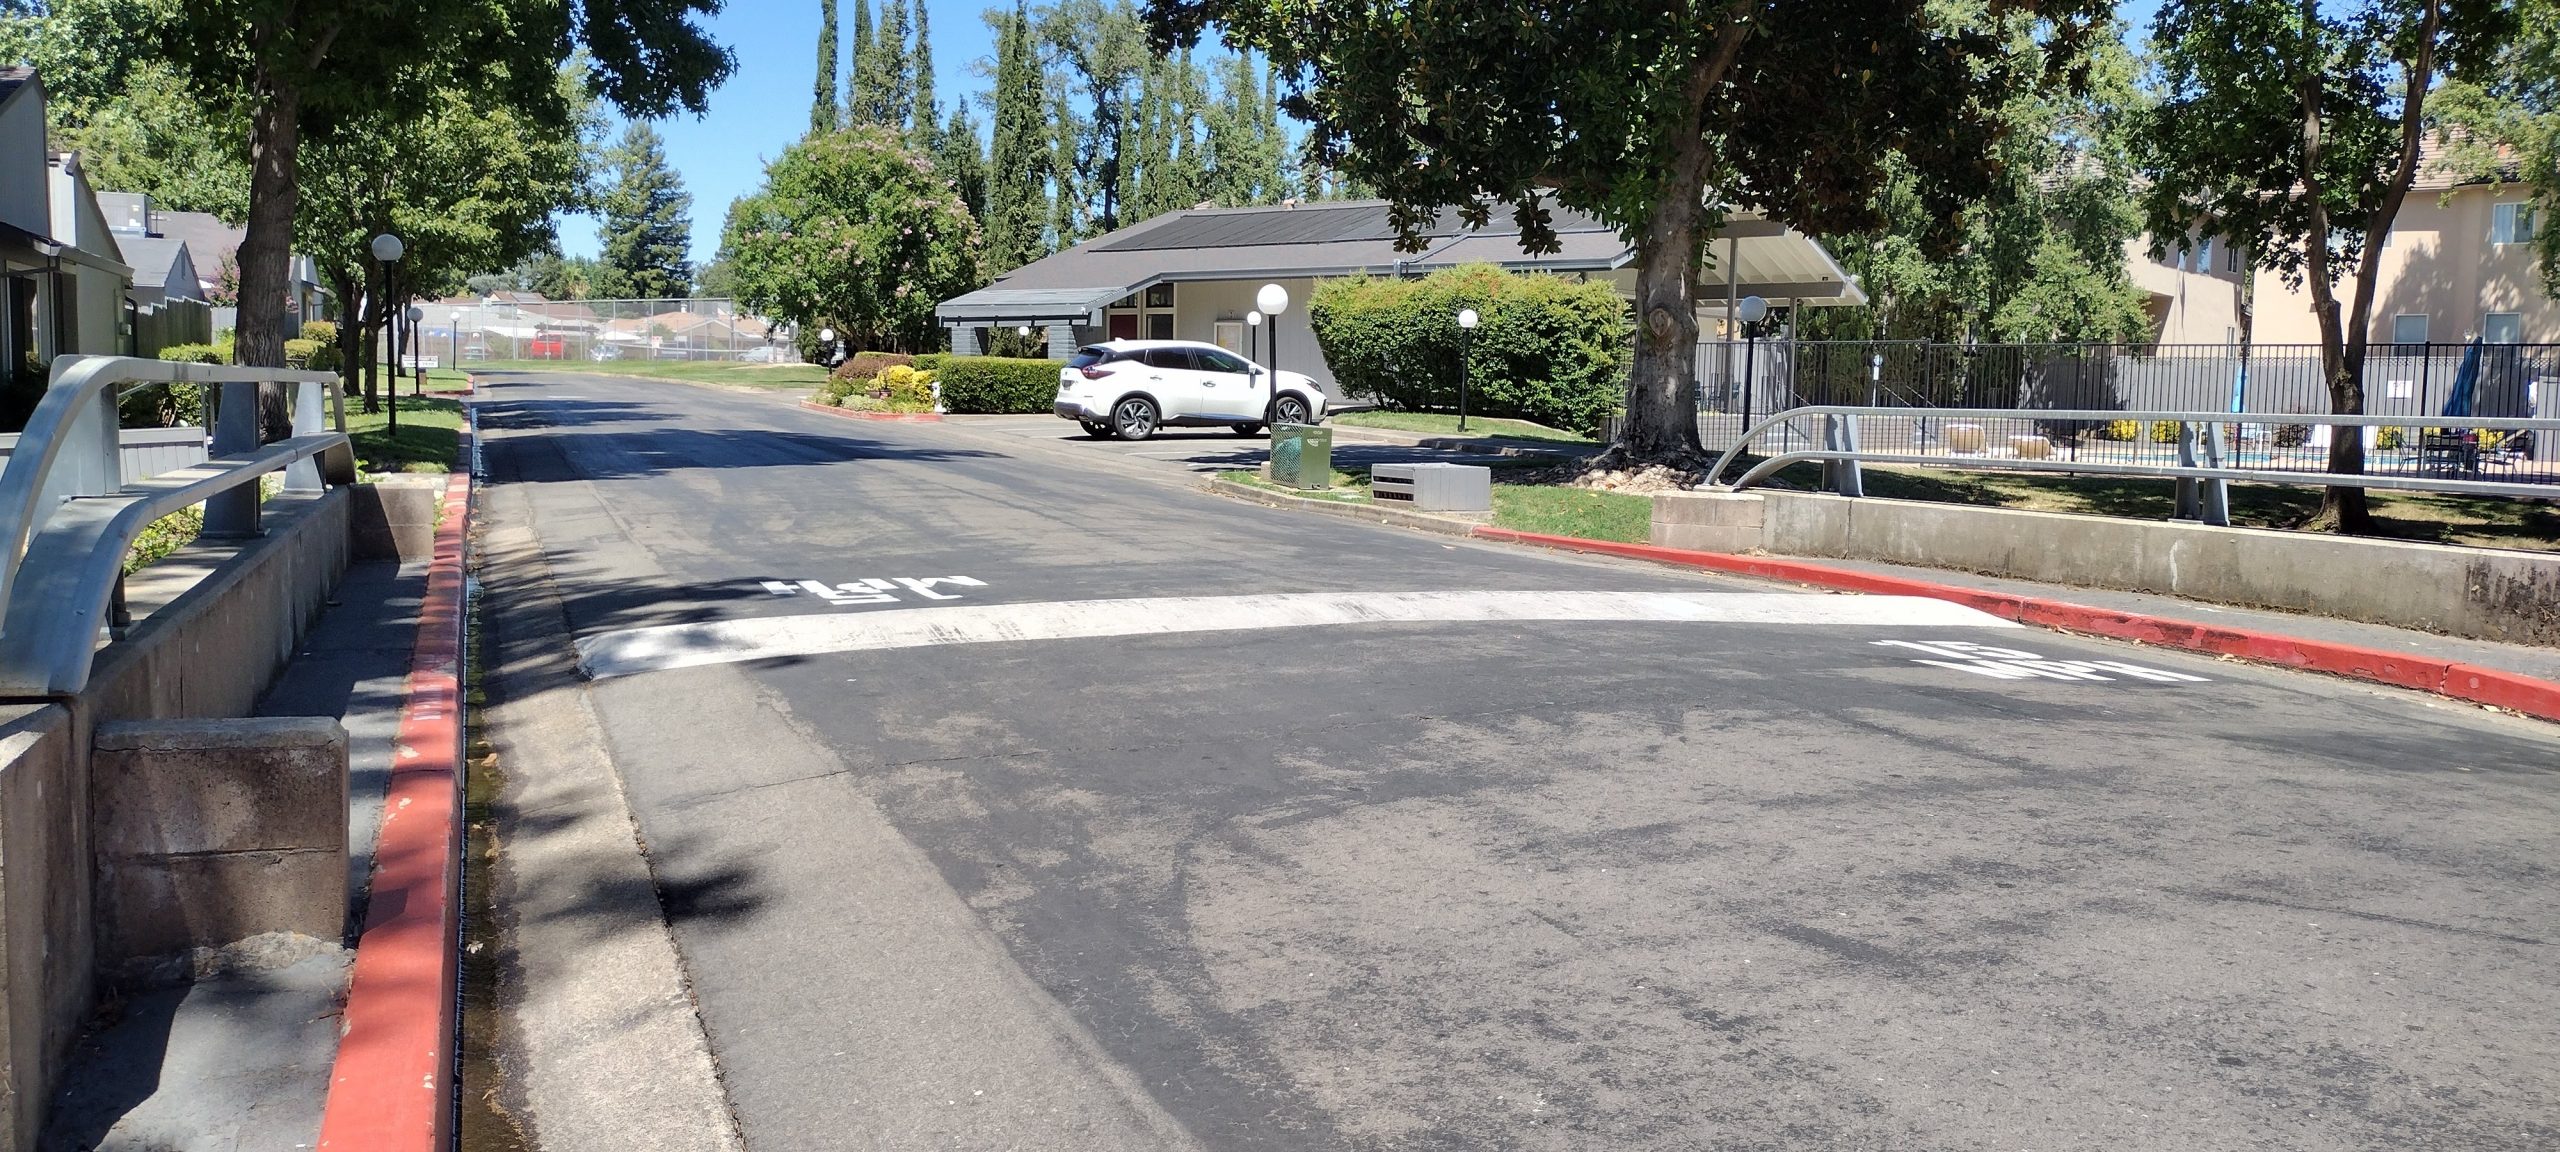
1446, 424
1553, 510
697, 371
2479, 521
428, 440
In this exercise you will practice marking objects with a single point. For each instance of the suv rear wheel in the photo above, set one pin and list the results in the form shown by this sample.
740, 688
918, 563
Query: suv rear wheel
1134, 418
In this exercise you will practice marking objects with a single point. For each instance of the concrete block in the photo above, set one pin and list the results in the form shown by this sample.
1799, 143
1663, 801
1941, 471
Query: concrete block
168, 787
45, 909
394, 518
1807, 523
210, 831
1708, 521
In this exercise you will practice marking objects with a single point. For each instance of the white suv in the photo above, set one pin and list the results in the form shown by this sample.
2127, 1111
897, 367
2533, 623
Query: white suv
1130, 388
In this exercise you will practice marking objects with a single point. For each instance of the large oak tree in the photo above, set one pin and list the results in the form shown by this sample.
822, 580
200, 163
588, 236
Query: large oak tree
1658, 117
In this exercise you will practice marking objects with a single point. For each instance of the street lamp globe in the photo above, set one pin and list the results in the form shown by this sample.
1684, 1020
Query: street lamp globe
1024, 330
826, 335
388, 248
416, 313
1253, 318
1753, 310
1466, 317
1273, 299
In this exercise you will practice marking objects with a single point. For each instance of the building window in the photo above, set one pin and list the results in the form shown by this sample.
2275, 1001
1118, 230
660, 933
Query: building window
2510, 223
2409, 328
2231, 258
2502, 328
1160, 296
2204, 254
1159, 325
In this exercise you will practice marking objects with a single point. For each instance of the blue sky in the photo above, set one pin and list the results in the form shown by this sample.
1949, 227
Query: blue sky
765, 105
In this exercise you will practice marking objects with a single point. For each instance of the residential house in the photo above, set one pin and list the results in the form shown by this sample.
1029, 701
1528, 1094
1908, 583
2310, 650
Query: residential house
1193, 274
213, 247
62, 277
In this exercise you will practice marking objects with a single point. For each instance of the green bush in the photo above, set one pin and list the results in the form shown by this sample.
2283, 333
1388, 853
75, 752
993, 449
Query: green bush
2120, 430
298, 353
929, 361
320, 331
1547, 349
171, 405
2388, 440
833, 392
997, 384
194, 354
2164, 432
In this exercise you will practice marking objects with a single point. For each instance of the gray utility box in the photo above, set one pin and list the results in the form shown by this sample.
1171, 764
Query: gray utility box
1433, 487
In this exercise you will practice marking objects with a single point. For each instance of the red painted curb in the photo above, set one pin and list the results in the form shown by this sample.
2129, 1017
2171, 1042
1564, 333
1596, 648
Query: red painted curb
851, 414
391, 1089
2509, 690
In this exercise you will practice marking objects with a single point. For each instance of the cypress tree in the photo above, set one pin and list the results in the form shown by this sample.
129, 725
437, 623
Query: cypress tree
823, 116
897, 82
928, 118
955, 152
861, 83
648, 218
1019, 167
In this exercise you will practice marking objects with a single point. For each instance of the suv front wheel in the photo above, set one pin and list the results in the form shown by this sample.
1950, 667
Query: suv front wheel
1289, 410
1134, 418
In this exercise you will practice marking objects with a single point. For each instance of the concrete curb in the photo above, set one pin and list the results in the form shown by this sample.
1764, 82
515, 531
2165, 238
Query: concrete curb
2512, 691
1401, 519
851, 414
391, 1089
1525, 450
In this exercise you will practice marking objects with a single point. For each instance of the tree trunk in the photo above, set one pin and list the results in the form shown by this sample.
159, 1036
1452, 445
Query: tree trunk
266, 251
350, 333
1662, 411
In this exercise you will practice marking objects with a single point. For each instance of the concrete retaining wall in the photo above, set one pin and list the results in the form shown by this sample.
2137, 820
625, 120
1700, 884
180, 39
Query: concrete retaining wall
212, 628
2483, 593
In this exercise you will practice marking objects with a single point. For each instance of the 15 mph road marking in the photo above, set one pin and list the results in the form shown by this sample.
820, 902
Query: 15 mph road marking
684, 645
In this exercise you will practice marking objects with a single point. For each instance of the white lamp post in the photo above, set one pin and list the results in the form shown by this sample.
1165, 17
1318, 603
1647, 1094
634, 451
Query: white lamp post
410, 342
826, 347
1466, 331
1253, 336
1273, 300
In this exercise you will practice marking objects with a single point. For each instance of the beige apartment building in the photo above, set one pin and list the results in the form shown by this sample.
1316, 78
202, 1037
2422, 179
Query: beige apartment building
2459, 263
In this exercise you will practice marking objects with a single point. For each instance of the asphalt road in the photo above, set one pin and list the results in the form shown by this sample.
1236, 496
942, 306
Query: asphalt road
1494, 884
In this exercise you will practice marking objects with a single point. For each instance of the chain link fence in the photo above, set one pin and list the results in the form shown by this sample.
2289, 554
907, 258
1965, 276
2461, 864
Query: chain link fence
510, 326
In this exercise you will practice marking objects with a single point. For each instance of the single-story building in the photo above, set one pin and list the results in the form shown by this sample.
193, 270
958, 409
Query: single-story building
62, 277
1193, 274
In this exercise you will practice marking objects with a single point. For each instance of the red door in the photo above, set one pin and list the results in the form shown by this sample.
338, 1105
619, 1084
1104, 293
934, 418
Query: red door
1124, 326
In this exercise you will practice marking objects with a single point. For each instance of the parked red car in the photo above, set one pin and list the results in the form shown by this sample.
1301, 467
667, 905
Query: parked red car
546, 348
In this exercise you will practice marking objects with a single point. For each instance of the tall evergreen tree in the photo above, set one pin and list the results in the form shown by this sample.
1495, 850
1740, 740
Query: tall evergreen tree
822, 100
648, 219
883, 76
1100, 47
1167, 166
1019, 165
927, 124
955, 152
1242, 147
861, 81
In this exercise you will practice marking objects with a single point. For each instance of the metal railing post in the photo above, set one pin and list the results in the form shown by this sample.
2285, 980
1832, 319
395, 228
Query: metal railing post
233, 513
308, 418
2190, 505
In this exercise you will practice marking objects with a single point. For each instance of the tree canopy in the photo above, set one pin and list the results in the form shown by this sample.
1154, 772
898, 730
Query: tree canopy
856, 230
2296, 130
1655, 118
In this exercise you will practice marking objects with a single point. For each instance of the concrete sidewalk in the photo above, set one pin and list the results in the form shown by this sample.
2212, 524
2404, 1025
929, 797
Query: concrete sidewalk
240, 1059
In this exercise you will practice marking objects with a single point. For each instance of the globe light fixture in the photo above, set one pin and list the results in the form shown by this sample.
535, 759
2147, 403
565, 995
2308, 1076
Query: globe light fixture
388, 248
1466, 327
1273, 300
1753, 309
1466, 318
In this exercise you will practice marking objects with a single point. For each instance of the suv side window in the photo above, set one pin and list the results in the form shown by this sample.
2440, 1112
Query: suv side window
1178, 359
1221, 362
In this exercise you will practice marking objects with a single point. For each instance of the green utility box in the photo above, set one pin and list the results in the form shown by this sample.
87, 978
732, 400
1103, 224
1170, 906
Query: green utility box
1301, 456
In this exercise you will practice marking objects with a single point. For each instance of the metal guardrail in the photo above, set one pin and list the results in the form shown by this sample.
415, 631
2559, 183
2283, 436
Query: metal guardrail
2435, 453
68, 516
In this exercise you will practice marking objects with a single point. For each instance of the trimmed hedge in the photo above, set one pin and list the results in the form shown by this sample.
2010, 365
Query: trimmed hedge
997, 384
869, 365
1546, 349
194, 354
